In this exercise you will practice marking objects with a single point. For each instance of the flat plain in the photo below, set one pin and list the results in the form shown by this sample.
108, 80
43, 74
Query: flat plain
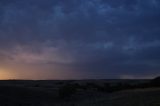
78, 93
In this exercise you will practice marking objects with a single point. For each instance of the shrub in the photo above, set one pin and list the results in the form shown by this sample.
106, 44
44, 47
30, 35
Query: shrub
105, 88
67, 90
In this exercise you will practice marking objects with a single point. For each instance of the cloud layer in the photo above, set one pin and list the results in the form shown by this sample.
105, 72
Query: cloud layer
90, 39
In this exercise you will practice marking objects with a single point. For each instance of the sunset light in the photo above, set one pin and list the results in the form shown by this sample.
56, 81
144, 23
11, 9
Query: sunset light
5, 74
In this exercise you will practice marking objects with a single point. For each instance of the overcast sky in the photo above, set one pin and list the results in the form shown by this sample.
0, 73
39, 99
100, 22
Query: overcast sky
79, 39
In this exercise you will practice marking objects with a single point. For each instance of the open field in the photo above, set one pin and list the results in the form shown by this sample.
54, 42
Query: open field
78, 93
140, 97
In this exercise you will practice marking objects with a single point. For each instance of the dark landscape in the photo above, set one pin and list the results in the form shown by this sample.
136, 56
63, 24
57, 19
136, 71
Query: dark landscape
116, 92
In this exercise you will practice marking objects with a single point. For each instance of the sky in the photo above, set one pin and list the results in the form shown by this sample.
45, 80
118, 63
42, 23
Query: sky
79, 39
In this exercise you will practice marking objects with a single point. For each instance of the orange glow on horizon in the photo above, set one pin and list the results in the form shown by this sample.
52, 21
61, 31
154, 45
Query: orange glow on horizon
5, 74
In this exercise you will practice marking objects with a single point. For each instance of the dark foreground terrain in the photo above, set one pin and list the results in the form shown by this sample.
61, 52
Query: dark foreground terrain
80, 93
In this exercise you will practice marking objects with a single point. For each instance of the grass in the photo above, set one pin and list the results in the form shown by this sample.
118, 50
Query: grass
74, 93
140, 97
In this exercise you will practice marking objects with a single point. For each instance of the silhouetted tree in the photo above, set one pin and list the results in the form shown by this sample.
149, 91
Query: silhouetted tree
156, 82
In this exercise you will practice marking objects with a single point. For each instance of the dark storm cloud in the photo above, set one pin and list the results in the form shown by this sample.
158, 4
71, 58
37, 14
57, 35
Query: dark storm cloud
96, 37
